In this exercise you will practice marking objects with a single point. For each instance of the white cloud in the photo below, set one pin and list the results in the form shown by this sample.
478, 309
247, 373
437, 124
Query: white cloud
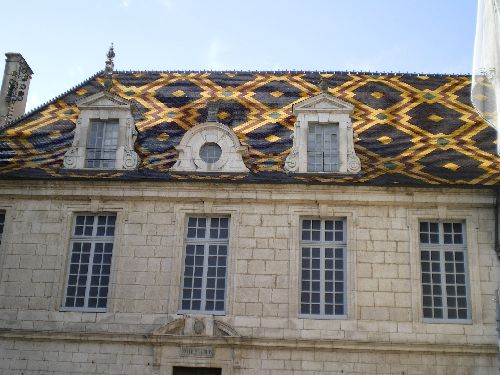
125, 3
166, 3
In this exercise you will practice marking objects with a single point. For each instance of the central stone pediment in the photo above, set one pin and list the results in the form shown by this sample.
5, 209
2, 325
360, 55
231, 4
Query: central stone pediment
103, 99
197, 326
324, 102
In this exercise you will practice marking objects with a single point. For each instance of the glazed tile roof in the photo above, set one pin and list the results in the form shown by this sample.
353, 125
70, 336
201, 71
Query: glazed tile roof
412, 129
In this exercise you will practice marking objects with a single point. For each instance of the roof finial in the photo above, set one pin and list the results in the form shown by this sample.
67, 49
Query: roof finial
323, 85
108, 70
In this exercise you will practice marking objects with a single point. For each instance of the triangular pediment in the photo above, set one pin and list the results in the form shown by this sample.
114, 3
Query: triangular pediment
103, 100
323, 102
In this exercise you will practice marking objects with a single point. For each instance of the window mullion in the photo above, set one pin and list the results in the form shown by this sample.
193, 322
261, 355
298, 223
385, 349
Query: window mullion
89, 274
344, 269
444, 292
463, 248
91, 260
323, 141
442, 264
101, 144
204, 278
322, 280
322, 257
103, 139
205, 267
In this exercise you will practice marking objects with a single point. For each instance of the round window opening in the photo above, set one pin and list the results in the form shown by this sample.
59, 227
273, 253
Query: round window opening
210, 152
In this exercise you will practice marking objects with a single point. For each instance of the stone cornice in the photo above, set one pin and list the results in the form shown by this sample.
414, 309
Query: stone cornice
247, 342
292, 194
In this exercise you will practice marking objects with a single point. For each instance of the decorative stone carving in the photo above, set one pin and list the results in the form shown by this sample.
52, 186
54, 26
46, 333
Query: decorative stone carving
198, 326
231, 151
175, 327
70, 158
222, 329
130, 159
353, 163
323, 109
104, 106
201, 326
292, 160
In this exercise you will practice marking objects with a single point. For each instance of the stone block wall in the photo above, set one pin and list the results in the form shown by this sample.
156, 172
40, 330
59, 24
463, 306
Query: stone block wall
384, 300
68, 357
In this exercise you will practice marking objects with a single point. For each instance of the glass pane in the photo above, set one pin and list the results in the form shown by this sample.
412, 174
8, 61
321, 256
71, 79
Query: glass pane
205, 264
102, 143
322, 268
83, 267
443, 272
210, 152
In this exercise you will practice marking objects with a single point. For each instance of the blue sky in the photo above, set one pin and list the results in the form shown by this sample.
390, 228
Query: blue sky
65, 42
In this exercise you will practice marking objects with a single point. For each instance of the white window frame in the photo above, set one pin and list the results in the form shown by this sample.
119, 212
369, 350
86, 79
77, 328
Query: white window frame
322, 244
92, 239
442, 248
206, 242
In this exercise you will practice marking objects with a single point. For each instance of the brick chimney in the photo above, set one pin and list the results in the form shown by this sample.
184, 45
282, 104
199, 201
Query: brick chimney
15, 85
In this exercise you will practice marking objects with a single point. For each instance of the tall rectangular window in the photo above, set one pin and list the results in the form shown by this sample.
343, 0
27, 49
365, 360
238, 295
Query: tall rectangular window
90, 262
323, 268
443, 255
205, 265
2, 224
102, 143
323, 148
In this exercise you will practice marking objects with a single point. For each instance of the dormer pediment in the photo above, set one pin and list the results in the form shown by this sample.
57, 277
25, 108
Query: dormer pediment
102, 100
324, 103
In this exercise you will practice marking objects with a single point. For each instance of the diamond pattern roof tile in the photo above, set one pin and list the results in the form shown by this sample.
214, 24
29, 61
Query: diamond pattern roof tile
412, 129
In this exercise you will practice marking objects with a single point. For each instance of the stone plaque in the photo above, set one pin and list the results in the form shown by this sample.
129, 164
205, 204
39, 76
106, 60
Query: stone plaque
197, 351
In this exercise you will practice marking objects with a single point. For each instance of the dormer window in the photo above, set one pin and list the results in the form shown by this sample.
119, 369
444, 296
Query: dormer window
104, 136
210, 147
102, 144
323, 138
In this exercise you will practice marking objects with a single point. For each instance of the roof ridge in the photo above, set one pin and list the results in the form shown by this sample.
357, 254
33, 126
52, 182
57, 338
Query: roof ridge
338, 72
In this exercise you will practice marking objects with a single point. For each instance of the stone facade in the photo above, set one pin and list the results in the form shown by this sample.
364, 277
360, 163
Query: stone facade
141, 332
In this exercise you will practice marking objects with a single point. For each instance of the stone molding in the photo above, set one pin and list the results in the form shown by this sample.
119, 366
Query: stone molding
249, 342
104, 106
231, 159
323, 109
419, 197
